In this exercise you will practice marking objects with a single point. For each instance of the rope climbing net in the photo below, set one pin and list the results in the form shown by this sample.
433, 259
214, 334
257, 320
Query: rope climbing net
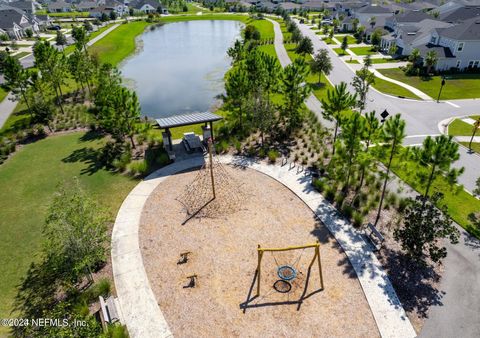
212, 193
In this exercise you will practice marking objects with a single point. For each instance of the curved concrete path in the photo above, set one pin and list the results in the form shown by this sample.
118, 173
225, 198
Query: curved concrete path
142, 314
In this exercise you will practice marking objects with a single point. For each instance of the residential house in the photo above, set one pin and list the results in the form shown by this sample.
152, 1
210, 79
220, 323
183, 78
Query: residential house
86, 6
27, 6
460, 14
372, 16
59, 6
15, 23
463, 43
113, 6
406, 19
147, 6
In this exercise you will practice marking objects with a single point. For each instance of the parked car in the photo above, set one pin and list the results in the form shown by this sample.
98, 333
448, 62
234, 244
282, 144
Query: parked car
54, 28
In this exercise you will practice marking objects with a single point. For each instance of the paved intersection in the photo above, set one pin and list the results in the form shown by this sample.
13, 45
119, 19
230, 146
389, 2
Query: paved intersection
423, 117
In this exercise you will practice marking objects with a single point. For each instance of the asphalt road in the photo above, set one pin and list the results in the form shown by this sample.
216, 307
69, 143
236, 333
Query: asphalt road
422, 117
458, 312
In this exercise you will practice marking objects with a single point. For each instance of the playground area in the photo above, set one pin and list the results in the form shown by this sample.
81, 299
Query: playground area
211, 290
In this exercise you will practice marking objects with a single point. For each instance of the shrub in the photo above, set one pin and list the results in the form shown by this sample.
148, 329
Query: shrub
329, 194
339, 198
103, 287
262, 153
402, 204
238, 146
357, 219
251, 151
221, 147
272, 156
319, 185
347, 211
139, 167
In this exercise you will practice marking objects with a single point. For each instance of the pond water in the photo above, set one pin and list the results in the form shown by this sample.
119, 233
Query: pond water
180, 67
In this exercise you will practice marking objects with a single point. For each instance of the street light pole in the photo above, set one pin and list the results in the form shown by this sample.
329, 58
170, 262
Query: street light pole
441, 87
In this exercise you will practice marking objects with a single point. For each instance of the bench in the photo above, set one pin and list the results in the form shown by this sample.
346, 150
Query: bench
375, 237
108, 310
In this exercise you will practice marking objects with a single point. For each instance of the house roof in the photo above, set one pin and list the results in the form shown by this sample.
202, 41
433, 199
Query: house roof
22, 4
8, 17
442, 52
59, 5
410, 33
87, 4
468, 30
187, 119
289, 5
461, 14
413, 16
374, 10
140, 3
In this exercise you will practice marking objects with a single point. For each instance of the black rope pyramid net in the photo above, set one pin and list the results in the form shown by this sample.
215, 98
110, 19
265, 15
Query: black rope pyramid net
198, 199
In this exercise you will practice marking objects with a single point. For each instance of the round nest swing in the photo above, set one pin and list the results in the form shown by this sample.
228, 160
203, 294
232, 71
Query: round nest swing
286, 272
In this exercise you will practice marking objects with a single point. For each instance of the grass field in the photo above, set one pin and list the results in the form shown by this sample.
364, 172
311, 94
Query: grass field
319, 90
21, 55
384, 60
71, 48
28, 189
475, 146
350, 39
363, 50
120, 43
352, 61
460, 86
65, 14
329, 41
3, 93
459, 203
393, 89
339, 51
460, 128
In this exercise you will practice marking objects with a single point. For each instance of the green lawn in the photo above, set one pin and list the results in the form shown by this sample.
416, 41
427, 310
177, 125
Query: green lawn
384, 60
459, 203
350, 39
3, 93
65, 14
21, 55
460, 86
268, 49
319, 89
393, 89
363, 50
339, 51
352, 61
460, 128
475, 146
71, 48
28, 189
120, 43
329, 41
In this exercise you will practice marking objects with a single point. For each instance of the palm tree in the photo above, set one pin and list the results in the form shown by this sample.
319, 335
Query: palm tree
476, 126
431, 60
338, 100
438, 154
393, 134
414, 56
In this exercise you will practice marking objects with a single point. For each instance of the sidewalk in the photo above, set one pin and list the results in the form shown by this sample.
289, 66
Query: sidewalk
414, 90
7, 106
142, 314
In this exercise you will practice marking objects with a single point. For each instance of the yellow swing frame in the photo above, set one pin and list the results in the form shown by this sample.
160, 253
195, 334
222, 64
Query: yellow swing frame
261, 251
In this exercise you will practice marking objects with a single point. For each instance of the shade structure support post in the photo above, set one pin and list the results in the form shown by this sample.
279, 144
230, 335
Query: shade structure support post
211, 167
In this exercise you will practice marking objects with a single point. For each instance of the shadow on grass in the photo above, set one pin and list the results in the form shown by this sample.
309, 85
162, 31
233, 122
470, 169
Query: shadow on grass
89, 156
318, 86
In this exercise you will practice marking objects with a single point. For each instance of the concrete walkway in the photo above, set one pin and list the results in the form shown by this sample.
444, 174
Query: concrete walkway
142, 314
7, 106
102, 35
414, 90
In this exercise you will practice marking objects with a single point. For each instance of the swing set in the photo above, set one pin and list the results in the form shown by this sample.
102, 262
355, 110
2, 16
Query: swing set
288, 272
